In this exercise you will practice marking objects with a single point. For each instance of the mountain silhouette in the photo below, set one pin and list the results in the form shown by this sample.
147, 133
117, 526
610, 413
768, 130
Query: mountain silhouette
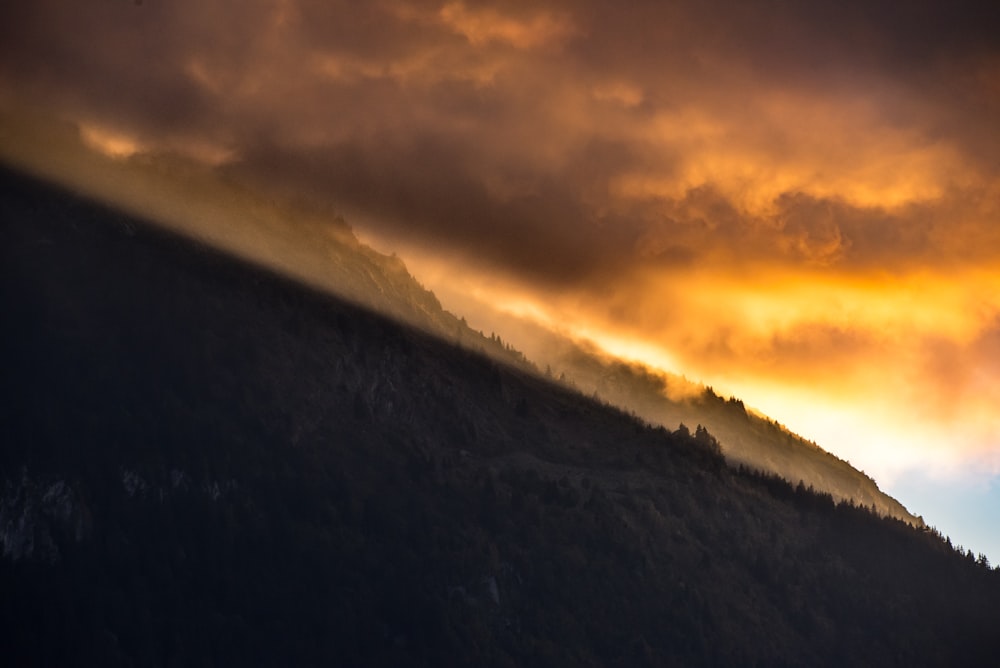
207, 462
316, 246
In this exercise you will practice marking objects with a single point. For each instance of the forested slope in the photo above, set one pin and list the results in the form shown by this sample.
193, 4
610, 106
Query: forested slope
206, 464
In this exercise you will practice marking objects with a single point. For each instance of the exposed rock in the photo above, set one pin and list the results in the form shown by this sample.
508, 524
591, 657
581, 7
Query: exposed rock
133, 483
35, 515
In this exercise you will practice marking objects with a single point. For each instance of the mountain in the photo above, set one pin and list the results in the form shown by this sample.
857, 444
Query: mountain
314, 245
205, 462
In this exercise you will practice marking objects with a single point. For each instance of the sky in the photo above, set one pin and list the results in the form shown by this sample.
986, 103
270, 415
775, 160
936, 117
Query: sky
797, 203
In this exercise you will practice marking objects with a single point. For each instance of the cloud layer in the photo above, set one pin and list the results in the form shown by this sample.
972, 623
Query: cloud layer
780, 195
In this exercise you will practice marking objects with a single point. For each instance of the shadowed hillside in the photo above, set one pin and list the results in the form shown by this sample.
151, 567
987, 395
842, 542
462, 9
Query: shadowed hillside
317, 247
206, 464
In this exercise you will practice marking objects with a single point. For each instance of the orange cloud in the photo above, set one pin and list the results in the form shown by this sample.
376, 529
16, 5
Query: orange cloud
483, 26
793, 143
109, 142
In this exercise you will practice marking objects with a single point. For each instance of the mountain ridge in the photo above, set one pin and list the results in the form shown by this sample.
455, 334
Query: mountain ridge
313, 244
218, 465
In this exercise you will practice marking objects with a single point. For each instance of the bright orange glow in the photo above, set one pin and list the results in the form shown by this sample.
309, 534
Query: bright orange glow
851, 360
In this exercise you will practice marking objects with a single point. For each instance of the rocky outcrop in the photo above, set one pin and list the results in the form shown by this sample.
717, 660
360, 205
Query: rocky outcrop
37, 515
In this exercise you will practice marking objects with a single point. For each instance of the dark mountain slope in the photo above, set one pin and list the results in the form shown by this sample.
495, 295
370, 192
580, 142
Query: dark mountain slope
204, 464
308, 242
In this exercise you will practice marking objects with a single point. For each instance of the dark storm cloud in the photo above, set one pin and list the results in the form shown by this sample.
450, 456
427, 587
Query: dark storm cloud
422, 189
517, 130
